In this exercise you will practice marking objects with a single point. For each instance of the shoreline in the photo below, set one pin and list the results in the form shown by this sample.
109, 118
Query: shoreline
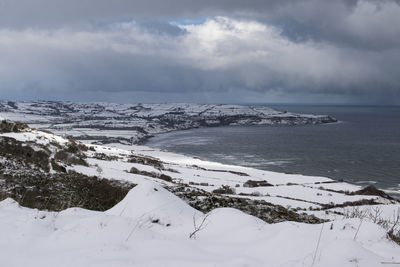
165, 193
392, 191
118, 131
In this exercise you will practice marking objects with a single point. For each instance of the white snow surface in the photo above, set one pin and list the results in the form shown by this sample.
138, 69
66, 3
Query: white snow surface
160, 205
130, 235
151, 226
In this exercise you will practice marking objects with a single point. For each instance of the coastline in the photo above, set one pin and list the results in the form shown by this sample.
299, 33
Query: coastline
171, 195
203, 139
96, 128
392, 192
102, 121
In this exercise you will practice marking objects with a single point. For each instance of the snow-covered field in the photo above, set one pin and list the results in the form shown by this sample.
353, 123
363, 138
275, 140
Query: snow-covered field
152, 227
133, 123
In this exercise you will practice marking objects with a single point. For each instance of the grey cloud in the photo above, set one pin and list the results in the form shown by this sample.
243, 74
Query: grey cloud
93, 50
364, 24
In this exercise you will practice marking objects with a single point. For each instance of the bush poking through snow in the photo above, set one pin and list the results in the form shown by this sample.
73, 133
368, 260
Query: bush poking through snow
75, 147
57, 167
146, 160
8, 127
374, 214
270, 213
225, 189
394, 231
14, 150
161, 176
70, 158
103, 156
253, 183
60, 191
394, 236
372, 191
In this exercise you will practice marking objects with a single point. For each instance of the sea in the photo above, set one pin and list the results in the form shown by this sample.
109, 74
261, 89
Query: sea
363, 147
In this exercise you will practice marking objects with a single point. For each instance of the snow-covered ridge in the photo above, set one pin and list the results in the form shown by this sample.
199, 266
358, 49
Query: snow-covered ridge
133, 123
78, 237
153, 227
135, 164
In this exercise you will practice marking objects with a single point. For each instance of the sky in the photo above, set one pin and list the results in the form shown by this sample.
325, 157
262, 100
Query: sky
209, 51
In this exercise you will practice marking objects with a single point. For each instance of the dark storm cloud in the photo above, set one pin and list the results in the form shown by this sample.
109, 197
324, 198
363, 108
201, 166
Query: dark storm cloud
370, 23
246, 50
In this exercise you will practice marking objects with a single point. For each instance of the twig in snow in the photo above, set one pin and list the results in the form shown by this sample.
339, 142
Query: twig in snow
316, 249
200, 227
358, 229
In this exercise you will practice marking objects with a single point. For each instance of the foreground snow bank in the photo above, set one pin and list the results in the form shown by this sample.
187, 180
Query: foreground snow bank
151, 227
149, 202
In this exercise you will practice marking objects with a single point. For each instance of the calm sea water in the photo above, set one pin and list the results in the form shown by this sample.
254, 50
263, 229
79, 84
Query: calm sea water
363, 148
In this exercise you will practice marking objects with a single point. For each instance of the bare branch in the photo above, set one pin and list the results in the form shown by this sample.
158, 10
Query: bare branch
200, 227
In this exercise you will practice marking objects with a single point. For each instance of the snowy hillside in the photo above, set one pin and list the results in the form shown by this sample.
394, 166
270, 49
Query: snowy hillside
188, 177
133, 123
151, 227
120, 205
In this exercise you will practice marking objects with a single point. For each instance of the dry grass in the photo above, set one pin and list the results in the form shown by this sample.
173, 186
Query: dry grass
374, 214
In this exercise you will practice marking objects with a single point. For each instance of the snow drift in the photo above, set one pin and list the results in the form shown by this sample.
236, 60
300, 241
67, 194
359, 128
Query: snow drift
135, 233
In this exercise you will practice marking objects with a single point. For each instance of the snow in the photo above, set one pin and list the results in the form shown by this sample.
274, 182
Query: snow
288, 190
127, 235
337, 186
158, 205
151, 226
38, 137
134, 122
385, 212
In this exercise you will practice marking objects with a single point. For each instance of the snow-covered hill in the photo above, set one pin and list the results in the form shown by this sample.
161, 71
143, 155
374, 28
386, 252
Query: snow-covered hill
151, 227
181, 211
133, 123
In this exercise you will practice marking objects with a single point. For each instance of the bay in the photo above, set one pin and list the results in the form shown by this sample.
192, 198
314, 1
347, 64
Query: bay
362, 148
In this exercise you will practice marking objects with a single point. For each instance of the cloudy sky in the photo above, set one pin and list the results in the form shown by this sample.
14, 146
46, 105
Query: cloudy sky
214, 51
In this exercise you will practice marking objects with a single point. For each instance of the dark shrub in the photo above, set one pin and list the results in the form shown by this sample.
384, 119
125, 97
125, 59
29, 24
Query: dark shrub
252, 183
225, 189
7, 127
63, 190
56, 167
69, 158
146, 160
151, 174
